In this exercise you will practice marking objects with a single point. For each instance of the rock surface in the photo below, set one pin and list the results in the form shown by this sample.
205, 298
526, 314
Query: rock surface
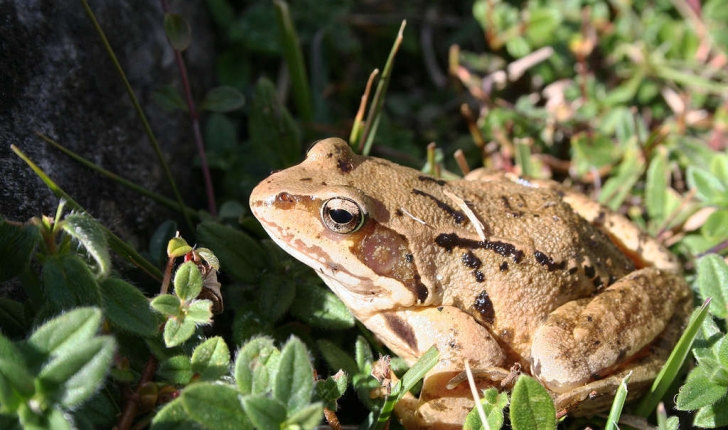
57, 79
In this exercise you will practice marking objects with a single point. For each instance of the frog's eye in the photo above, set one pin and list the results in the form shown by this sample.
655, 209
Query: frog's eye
342, 215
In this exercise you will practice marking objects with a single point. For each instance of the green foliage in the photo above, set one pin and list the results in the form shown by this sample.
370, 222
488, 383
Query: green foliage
62, 364
493, 404
531, 405
627, 103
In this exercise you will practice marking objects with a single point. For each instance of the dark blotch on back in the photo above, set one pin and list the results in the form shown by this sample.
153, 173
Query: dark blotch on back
424, 178
479, 277
471, 260
589, 271
548, 261
457, 215
344, 165
402, 330
420, 289
504, 266
452, 240
484, 307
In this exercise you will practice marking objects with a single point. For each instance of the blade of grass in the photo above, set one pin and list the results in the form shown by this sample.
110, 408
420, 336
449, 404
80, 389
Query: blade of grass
375, 113
140, 114
673, 364
118, 245
409, 379
294, 60
356, 129
616, 411
171, 204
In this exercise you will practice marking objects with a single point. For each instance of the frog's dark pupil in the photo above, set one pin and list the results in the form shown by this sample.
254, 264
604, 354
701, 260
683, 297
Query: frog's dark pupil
341, 216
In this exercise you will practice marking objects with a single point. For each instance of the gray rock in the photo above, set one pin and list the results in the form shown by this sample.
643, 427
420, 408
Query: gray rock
57, 79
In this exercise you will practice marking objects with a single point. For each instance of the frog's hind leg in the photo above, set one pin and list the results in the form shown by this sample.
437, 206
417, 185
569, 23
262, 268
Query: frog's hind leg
596, 396
584, 339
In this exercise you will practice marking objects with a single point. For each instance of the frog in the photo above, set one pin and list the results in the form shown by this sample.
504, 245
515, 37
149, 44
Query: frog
494, 270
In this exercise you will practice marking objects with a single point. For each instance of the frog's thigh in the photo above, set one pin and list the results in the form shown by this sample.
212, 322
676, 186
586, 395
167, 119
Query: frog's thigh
458, 337
582, 339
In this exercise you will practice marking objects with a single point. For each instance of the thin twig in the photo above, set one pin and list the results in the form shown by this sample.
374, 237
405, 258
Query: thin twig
195, 119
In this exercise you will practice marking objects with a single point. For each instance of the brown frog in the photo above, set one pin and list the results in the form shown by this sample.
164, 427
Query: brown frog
494, 270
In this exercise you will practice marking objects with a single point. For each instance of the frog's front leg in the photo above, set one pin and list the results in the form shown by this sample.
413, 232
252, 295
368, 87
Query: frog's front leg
409, 333
581, 340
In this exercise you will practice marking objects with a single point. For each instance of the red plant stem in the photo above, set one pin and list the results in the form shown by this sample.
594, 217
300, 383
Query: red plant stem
195, 118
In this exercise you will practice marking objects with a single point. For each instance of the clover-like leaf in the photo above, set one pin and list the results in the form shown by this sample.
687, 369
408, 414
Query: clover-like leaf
223, 99
178, 31
187, 281
531, 406
216, 406
211, 358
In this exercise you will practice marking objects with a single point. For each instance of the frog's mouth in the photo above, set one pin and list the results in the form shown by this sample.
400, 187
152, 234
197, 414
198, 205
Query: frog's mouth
365, 294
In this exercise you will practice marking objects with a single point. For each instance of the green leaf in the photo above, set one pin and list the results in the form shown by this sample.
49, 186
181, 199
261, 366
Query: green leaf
307, 418
17, 243
127, 308
77, 374
211, 358
177, 247
712, 281
12, 318
531, 406
363, 354
265, 413
216, 406
698, 391
187, 282
169, 99
177, 369
493, 403
709, 188
199, 312
293, 383
712, 416
176, 332
208, 257
656, 187
66, 333
239, 254
178, 31
274, 134
275, 297
336, 357
49, 419
167, 304
320, 307
90, 234
331, 389
252, 374
173, 416
223, 99
68, 283
16, 381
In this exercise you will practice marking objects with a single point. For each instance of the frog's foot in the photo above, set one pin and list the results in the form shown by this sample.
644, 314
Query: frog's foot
584, 339
504, 377
438, 407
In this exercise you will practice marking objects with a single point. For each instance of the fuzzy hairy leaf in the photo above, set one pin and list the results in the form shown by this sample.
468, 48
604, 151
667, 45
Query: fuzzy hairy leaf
90, 234
211, 358
531, 406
